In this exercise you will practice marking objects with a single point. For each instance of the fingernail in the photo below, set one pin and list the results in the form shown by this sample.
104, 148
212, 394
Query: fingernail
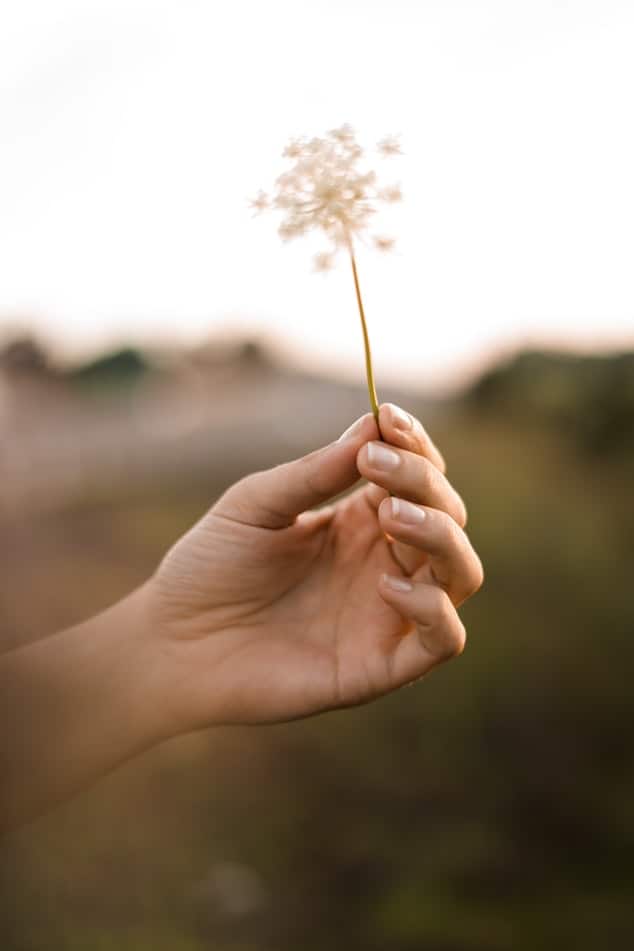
380, 457
398, 584
352, 430
406, 511
401, 419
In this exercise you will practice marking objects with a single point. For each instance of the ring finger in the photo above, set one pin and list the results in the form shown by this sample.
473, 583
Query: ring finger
450, 559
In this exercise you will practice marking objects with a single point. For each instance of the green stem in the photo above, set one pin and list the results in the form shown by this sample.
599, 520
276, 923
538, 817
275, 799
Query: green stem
366, 340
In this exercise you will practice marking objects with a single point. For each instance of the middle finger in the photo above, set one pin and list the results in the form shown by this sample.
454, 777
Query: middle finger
410, 476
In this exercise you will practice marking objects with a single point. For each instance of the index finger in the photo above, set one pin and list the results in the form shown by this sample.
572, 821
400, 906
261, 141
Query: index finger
406, 431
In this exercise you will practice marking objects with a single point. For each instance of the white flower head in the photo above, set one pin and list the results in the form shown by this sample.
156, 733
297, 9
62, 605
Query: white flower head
326, 190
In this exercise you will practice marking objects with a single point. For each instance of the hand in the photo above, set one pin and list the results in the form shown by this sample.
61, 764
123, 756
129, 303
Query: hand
270, 610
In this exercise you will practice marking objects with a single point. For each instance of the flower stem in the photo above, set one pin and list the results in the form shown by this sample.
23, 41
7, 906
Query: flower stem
366, 340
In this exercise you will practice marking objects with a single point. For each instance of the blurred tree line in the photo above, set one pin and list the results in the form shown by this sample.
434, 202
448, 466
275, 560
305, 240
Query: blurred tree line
490, 807
587, 399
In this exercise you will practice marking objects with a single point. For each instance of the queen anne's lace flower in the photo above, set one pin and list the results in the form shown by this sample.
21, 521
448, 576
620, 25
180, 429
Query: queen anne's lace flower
324, 189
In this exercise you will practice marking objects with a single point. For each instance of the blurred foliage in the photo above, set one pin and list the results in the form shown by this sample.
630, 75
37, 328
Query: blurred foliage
120, 370
22, 355
489, 807
590, 400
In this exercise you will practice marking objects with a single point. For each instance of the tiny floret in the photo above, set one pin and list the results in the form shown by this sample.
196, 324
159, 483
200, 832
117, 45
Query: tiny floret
260, 202
324, 261
383, 243
391, 194
389, 145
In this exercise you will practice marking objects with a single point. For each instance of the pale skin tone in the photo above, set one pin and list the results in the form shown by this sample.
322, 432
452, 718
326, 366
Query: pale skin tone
269, 609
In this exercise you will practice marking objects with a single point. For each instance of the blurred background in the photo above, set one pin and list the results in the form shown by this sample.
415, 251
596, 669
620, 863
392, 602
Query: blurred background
156, 343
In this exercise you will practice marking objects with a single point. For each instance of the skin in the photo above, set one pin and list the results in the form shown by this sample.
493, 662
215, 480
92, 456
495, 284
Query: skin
269, 609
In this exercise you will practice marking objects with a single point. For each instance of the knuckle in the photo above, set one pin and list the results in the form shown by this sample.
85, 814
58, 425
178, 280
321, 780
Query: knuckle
457, 640
461, 511
420, 439
426, 447
448, 634
427, 477
433, 485
478, 575
454, 537
440, 608
470, 583
442, 465
472, 566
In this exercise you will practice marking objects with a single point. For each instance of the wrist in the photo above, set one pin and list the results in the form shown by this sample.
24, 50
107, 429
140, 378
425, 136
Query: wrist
147, 682
169, 702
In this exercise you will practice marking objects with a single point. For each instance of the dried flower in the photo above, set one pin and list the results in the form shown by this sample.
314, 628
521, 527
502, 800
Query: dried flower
389, 145
325, 190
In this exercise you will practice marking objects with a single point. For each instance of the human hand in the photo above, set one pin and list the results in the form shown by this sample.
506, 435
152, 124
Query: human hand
271, 610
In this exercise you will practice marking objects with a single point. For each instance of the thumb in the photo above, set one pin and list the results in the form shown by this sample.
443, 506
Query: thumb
273, 498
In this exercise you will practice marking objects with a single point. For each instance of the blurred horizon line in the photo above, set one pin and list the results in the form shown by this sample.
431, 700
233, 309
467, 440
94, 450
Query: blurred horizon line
452, 379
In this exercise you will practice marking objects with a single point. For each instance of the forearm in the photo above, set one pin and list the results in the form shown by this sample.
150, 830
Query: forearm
73, 706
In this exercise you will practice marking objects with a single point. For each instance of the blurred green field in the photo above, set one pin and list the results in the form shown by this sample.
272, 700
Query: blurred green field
489, 807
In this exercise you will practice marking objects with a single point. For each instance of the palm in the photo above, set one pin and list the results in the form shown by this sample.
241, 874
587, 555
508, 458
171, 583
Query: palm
295, 611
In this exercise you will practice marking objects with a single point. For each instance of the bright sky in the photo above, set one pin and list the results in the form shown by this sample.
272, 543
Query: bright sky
132, 134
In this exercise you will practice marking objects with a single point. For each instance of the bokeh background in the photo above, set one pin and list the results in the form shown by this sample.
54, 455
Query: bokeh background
156, 344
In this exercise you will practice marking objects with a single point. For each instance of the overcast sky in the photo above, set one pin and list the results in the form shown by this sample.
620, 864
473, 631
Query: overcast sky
132, 134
